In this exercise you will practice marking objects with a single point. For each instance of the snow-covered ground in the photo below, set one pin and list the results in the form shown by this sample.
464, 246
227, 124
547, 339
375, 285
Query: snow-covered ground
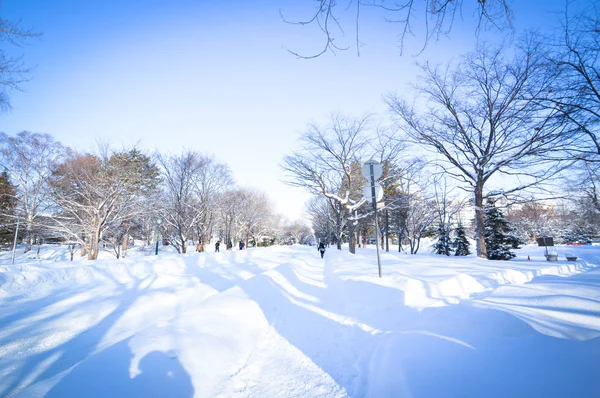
282, 322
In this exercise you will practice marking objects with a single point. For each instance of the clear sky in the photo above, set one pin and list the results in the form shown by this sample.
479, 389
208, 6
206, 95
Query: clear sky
212, 76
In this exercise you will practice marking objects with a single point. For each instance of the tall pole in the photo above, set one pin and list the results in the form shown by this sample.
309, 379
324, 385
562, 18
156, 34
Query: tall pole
374, 200
12, 260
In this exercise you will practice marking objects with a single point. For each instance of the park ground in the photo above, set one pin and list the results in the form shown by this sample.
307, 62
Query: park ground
282, 322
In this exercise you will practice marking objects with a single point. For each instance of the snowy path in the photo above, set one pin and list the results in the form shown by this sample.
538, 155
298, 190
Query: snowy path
283, 322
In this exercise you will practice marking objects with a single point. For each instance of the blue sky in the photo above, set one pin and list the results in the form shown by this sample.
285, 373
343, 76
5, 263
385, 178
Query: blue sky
212, 76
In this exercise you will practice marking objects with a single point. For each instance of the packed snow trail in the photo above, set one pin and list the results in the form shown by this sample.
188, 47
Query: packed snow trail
284, 322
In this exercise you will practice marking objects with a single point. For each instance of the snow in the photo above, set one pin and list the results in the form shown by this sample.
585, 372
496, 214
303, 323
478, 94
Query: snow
281, 321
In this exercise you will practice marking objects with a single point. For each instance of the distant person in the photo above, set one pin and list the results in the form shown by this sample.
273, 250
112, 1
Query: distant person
229, 244
322, 249
199, 248
242, 245
217, 246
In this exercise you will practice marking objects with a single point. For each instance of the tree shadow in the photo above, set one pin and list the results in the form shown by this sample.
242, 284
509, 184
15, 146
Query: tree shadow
224, 275
27, 308
361, 334
392, 350
74, 350
508, 357
109, 374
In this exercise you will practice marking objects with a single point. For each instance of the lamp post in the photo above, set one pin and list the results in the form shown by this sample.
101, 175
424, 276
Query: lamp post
157, 235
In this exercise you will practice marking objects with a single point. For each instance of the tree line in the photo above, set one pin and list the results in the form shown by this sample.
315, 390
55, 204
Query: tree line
513, 126
107, 198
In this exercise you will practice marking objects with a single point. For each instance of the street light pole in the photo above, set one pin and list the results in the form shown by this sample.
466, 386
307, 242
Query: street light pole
12, 260
157, 235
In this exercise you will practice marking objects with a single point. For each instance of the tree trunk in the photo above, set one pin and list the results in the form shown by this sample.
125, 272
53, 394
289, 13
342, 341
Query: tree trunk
96, 245
28, 235
338, 231
126, 239
90, 246
28, 242
183, 244
387, 231
479, 224
351, 238
381, 236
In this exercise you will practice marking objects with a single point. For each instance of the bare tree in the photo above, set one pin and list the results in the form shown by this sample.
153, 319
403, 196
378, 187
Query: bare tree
94, 192
245, 214
483, 119
420, 215
29, 159
413, 208
230, 206
390, 152
299, 232
254, 215
447, 205
401, 178
533, 219
274, 228
13, 72
323, 219
437, 16
574, 54
330, 165
191, 183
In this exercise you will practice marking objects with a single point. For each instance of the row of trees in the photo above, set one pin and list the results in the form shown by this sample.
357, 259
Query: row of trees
517, 124
109, 197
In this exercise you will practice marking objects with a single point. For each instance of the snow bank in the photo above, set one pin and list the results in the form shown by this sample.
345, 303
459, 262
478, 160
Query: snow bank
568, 308
428, 280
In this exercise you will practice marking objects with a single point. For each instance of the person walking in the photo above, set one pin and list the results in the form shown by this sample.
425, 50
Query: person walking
242, 245
199, 248
322, 249
217, 246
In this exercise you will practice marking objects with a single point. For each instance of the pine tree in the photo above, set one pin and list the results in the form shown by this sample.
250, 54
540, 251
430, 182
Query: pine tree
460, 243
443, 245
498, 239
8, 203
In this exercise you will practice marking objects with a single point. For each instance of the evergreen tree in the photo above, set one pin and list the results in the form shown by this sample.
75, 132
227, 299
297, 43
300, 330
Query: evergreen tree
498, 239
460, 243
443, 245
8, 203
